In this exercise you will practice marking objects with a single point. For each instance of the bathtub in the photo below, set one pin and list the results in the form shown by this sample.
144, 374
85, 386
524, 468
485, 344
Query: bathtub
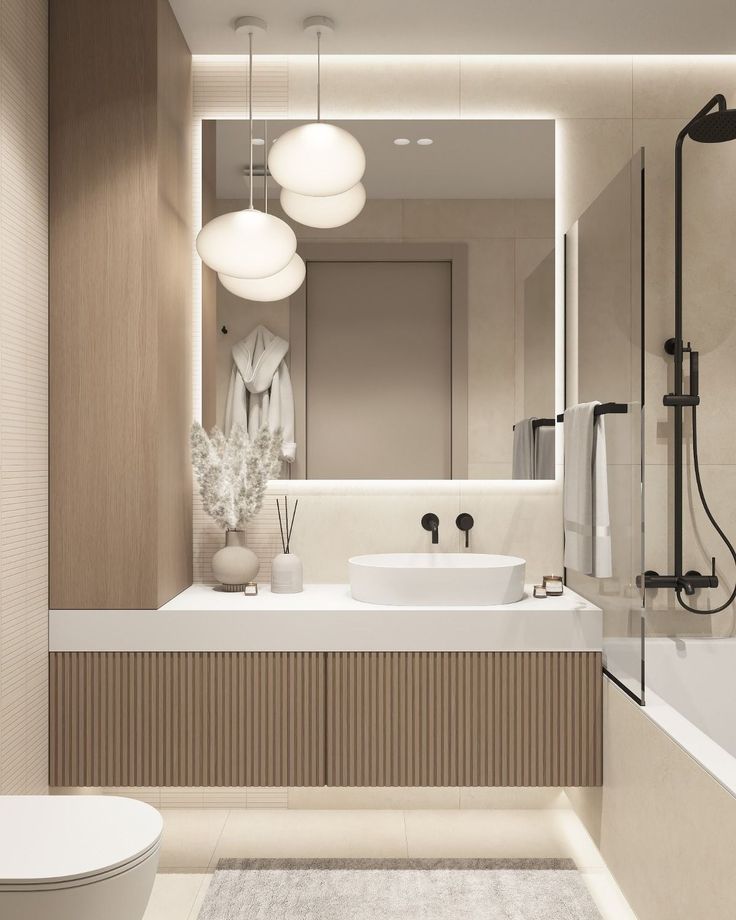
690, 687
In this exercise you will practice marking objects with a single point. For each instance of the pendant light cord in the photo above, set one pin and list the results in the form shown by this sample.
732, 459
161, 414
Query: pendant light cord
250, 111
319, 76
265, 166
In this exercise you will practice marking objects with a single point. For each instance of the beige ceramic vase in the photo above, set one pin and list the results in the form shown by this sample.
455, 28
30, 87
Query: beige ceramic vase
235, 565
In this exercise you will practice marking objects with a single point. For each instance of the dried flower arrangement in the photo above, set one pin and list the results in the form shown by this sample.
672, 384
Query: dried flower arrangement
233, 472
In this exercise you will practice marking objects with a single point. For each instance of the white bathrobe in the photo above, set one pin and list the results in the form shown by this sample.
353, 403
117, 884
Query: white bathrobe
260, 390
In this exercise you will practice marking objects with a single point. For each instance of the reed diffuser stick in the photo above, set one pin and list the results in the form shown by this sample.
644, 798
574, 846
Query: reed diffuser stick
290, 527
281, 526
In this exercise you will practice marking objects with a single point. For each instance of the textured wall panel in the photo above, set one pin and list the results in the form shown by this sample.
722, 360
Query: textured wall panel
187, 719
464, 719
23, 396
221, 86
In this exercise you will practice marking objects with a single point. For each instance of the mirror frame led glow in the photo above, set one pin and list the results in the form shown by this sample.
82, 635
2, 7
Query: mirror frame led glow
212, 110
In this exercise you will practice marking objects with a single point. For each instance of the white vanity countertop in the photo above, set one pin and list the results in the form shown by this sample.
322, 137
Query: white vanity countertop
325, 618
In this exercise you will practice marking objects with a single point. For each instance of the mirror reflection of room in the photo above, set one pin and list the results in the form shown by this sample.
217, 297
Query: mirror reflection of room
420, 344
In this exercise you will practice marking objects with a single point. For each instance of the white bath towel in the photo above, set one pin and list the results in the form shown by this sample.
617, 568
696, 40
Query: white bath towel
260, 390
586, 511
544, 452
522, 463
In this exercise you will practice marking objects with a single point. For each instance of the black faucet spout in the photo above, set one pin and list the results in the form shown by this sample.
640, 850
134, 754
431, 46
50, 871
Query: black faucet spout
432, 522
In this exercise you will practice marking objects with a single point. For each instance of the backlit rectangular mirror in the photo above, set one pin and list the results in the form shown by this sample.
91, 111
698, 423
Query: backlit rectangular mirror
421, 344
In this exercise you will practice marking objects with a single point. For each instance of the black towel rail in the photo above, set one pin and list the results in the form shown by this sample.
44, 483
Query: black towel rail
610, 408
540, 423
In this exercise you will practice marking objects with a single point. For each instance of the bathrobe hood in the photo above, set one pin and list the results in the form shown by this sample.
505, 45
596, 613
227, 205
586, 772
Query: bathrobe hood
257, 358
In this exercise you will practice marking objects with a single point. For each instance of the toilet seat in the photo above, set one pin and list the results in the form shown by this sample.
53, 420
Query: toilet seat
52, 842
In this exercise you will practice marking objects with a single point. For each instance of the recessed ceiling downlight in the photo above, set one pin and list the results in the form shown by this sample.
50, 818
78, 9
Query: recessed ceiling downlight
425, 141
401, 141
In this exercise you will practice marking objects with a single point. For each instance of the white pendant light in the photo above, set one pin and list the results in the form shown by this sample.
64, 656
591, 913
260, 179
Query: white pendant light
317, 158
276, 287
325, 211
248, 243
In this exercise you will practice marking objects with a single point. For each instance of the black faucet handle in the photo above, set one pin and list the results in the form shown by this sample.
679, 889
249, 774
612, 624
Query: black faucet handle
431, 522
465, 522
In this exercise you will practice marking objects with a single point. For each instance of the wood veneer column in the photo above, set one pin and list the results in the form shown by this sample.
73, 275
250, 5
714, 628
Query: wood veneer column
120, 304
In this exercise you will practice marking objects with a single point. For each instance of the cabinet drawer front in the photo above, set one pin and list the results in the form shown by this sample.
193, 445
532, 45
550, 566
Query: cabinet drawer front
187, 719
464, 719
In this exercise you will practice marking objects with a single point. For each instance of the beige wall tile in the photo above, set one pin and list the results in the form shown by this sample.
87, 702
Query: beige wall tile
449, 219
666, 86
534, 218
545, 86
491, 352
592, 152
376, 86
512, 797
382, 798
526, 525
332, 528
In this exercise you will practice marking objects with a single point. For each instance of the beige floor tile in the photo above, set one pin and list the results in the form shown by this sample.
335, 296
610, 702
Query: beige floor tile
607, 895
500, 833
173, 895
201, 895
302, 833
190, 836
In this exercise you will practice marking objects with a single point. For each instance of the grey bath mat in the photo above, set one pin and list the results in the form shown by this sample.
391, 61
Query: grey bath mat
397, 889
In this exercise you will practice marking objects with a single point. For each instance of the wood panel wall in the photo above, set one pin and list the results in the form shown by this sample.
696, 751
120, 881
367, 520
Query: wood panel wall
120, 304
336, 719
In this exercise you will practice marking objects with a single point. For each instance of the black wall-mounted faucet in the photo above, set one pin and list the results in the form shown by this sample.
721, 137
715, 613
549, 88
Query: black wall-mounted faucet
432, 522
465, 523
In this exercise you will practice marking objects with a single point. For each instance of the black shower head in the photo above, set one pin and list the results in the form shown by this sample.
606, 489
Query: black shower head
714, 128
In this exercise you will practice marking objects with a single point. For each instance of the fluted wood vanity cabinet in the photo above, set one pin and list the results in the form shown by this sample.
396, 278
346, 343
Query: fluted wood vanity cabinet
337, 719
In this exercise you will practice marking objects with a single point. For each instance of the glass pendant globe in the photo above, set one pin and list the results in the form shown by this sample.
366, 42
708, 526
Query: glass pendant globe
325, 211
317, 159
277, 287
246, 244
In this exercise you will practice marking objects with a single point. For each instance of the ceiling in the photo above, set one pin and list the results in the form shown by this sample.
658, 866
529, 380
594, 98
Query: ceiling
470, 26
468, 159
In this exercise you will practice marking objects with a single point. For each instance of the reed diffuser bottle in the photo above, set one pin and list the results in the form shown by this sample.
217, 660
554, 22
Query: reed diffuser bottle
287, 576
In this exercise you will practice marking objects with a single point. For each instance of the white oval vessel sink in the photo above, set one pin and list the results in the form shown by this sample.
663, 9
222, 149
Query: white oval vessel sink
438, 579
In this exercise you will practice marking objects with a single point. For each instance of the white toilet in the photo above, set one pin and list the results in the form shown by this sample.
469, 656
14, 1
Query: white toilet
76, 857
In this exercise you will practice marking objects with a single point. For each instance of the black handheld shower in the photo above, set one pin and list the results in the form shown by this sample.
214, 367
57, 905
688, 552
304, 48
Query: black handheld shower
707, 127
